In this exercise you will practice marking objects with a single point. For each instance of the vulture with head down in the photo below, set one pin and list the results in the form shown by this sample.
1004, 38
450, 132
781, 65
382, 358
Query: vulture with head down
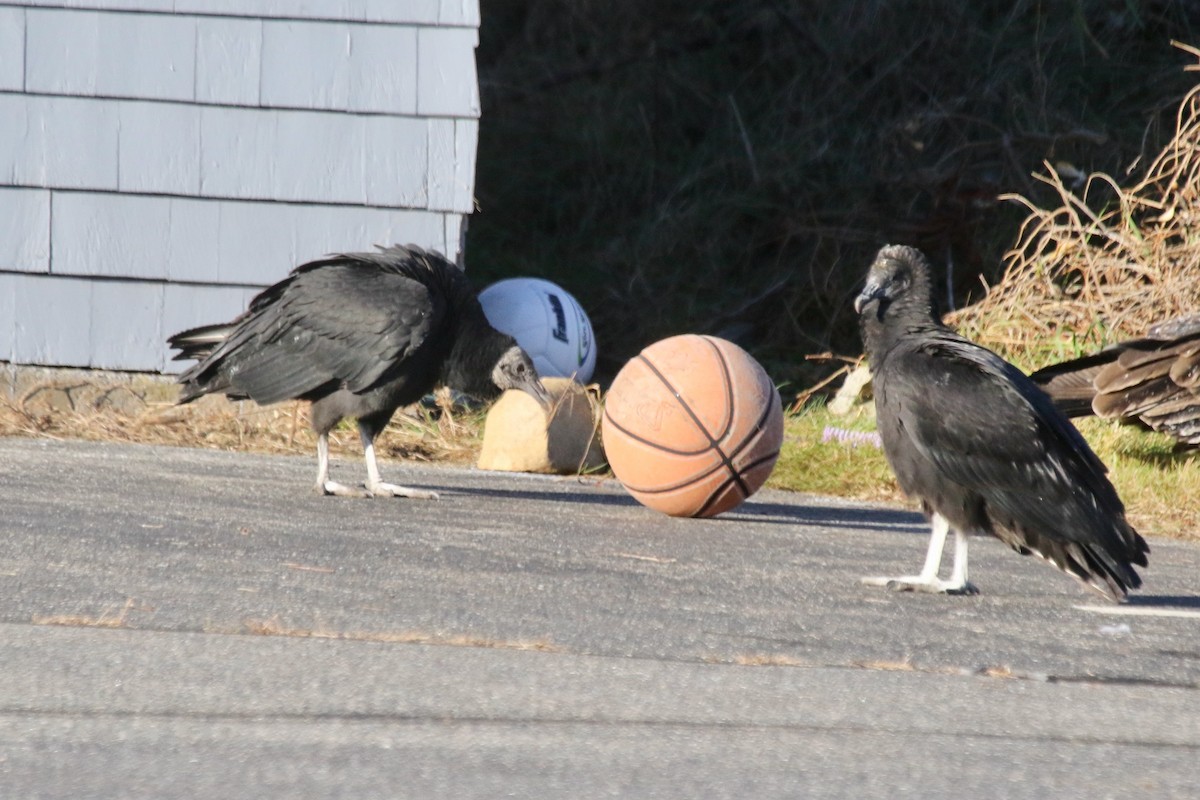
358, 335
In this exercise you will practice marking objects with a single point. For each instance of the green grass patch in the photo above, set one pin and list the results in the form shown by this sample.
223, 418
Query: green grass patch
814, 461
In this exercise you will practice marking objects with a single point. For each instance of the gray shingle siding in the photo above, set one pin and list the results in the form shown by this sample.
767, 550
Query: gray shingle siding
162, 160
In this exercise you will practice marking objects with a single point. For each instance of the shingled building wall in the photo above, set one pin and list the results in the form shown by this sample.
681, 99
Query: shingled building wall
163, 160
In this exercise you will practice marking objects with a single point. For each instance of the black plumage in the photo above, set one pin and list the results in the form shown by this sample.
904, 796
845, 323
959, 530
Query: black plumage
358, 335
980, 446
1154, 381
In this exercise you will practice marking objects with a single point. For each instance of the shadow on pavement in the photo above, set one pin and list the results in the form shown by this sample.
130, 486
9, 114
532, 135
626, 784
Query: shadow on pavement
891, 520
581, 496
1164, 601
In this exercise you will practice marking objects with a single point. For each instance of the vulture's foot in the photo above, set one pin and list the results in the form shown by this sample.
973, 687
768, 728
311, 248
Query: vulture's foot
340, 490
392, 490
918, 583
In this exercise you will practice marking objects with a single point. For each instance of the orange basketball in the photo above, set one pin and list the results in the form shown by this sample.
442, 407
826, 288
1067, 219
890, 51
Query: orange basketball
692, 426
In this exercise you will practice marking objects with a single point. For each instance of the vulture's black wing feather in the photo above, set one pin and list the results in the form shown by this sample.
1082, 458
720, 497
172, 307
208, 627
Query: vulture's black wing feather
1153, 381
1071, 383
976, 414
346, 321
343, 323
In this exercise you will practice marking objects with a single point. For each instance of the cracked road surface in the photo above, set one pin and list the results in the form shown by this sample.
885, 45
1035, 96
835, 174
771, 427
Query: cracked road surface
186, 623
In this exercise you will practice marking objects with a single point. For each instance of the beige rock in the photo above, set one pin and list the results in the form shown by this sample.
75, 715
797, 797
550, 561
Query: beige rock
517, 438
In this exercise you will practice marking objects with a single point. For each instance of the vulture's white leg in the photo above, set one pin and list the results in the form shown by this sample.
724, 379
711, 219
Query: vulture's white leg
928, 580
324, 485
958, 578
375, 486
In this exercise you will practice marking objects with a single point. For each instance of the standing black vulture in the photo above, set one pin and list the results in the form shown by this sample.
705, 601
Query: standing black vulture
1154, 380
980, 446
359, 335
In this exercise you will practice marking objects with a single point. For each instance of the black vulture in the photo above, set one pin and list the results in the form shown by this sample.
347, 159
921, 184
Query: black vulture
1154, 381
358, 335
980, 446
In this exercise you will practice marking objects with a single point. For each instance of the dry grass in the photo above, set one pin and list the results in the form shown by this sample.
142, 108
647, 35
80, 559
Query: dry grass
1105, 263
274, 627
442, 433
112, 617
768, 660
887, 666
1004, 672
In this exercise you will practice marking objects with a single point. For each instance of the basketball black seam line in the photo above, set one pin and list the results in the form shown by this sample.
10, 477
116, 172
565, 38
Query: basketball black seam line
757, 462
717, 491
716, 467
758, 426
728, 459
712, 497
644, 440
694, 478
727, 428
725, 459
687, 408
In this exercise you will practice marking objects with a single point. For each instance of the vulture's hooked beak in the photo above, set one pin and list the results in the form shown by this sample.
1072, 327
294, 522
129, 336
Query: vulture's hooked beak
515, 370
870, 293
538, 392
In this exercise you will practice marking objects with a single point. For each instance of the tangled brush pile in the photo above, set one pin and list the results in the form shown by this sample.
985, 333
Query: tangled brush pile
1105, 264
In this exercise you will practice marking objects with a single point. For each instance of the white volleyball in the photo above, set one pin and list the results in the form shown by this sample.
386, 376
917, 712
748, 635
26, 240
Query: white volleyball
547, 322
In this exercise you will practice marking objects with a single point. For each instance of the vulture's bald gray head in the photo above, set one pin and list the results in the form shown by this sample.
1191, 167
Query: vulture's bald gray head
515, 370
897, 272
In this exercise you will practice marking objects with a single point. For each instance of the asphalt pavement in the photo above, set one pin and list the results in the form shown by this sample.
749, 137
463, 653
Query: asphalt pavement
180, 623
